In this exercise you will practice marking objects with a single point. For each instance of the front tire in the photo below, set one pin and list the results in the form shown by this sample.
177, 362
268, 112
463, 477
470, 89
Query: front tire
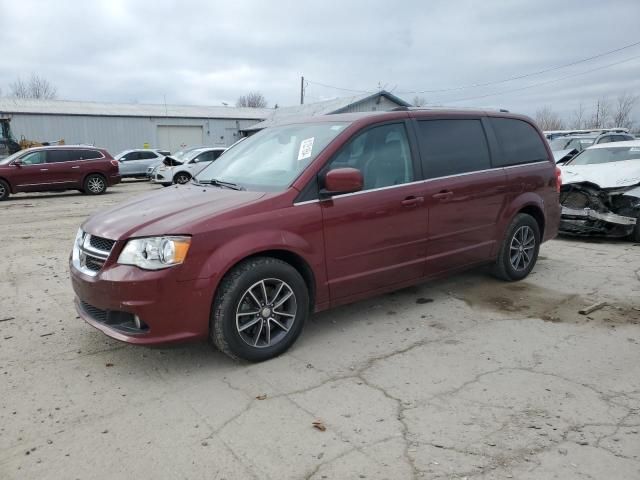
519, 251
181, 178
95, 185
5, 191
259, 310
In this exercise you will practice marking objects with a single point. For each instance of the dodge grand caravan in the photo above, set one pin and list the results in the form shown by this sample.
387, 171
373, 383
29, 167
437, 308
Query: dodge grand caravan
313, 214
42, 169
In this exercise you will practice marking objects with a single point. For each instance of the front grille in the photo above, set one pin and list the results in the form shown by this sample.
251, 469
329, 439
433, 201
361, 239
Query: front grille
92, 263
100, 243
94, 312
91, 252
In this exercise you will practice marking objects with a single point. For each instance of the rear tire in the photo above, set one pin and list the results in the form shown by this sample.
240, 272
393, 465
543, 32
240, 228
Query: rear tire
519, 251
95, 184
259, 309
181, 178
5, 191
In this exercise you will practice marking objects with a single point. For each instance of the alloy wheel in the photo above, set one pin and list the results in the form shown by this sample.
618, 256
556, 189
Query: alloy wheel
522, 248
95, 185
266, 312
182, 179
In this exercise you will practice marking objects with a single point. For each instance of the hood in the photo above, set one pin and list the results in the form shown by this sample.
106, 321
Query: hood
604, 175
172, 210
559, 155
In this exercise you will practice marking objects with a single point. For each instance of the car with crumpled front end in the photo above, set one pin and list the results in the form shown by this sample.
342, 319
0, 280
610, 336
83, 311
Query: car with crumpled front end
180, 171
600, 192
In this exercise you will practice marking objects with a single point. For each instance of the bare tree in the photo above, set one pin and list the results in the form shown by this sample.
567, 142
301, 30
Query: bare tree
602, 115
419, 101
252, 100
578, 122
623, 108
547, 119
36, 87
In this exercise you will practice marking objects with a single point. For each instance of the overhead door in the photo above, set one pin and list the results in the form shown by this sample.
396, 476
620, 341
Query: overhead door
177, 137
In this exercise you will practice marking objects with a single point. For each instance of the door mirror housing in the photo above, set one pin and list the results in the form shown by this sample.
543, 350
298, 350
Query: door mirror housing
18, 163
342, 180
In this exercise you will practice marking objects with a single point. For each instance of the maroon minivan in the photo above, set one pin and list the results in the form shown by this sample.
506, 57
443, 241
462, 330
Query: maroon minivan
42, 169
302, 217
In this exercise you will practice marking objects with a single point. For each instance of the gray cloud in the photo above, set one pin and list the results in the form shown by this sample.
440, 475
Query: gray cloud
209, 52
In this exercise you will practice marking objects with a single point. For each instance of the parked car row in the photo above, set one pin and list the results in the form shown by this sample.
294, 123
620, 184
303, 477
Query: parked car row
92, 170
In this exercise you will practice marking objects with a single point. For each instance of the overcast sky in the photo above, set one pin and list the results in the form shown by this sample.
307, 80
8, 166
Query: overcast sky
212, 51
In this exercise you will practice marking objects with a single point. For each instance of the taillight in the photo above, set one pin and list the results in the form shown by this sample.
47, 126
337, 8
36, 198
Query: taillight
558, 179
114, 163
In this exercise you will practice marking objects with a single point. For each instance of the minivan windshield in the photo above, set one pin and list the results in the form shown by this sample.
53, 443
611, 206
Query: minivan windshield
593, 156
272, 158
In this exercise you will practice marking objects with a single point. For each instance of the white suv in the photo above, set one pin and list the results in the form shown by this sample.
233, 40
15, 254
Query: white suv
188, 166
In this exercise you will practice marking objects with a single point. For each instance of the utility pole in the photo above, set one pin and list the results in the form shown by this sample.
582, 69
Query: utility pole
302, 90
598, 114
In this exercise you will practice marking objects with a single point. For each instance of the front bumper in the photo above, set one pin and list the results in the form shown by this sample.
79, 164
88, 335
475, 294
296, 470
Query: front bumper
168, 310
587, 222
163, 178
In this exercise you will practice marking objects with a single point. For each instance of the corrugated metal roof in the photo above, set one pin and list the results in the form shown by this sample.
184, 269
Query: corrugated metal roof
335, 105
66, 107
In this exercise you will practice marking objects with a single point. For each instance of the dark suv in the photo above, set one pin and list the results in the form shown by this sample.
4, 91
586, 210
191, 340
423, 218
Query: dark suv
320, 212
88, 169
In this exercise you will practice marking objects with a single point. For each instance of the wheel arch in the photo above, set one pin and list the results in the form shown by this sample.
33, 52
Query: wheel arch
6, 180
294, 259
536, 212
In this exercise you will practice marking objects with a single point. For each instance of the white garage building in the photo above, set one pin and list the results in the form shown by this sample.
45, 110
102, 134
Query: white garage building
118, 126
121, 126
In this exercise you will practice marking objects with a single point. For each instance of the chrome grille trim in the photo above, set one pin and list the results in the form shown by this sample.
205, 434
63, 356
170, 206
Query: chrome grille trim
88, 257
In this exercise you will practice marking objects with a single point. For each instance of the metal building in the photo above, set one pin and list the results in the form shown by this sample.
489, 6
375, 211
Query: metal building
368, 102
118, 127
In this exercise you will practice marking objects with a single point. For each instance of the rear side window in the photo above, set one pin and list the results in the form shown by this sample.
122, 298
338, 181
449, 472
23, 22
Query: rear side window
520, 142
217, 153
146, 155
84, 154
90, 154
451, 147
57, 156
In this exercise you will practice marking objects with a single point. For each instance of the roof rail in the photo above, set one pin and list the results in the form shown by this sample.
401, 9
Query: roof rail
443, 107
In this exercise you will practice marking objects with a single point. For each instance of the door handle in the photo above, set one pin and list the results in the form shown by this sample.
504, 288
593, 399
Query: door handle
77, 166
444, 195
412, 201
44, 169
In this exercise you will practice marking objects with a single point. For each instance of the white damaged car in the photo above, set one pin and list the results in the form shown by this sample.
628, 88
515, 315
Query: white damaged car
181, 170
600, 192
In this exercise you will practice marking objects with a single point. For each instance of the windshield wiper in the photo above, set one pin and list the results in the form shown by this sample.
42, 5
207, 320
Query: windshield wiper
223, 184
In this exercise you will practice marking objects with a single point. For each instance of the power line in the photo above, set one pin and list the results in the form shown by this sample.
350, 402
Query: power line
543, 83
518, 77
486, 84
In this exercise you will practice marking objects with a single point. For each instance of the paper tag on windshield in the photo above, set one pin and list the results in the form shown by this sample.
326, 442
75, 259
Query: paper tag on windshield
634, 149
306, 146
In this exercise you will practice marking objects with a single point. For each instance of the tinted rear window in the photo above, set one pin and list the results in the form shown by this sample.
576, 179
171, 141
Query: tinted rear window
56, 156
520, 142
450, 147
88, 154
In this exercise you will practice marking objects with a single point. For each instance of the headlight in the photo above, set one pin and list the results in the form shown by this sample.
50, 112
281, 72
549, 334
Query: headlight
77, 243
155, 253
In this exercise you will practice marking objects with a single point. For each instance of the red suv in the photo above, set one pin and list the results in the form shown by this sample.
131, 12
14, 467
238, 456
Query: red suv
317, 213
90, 170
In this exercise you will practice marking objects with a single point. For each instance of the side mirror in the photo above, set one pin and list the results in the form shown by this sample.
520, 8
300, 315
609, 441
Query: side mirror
342, 180
18, 163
